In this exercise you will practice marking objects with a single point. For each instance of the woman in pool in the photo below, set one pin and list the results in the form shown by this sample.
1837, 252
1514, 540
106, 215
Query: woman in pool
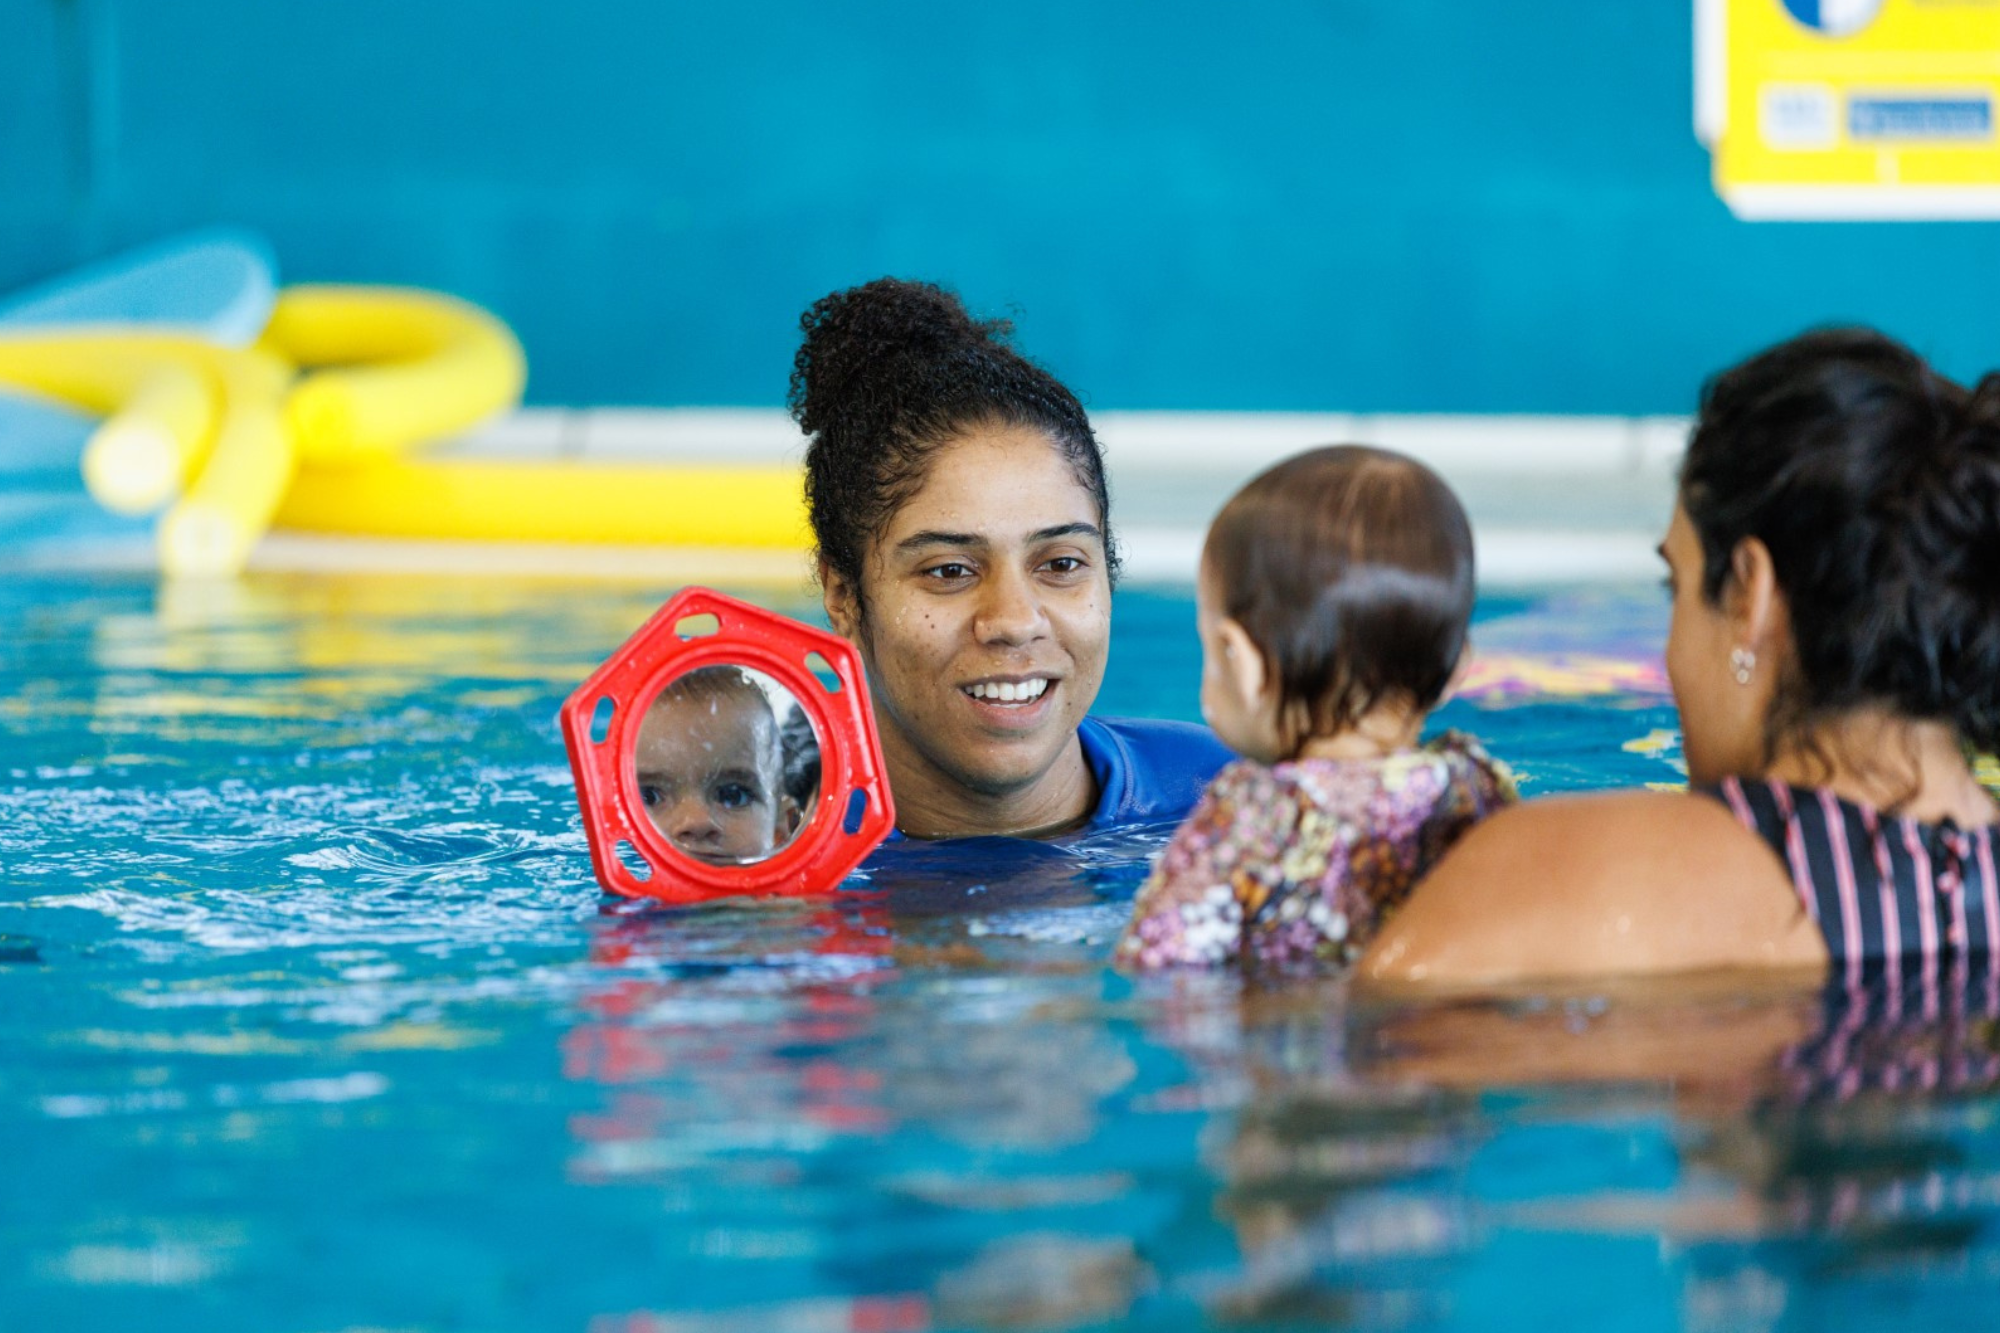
958, 499
1835, 653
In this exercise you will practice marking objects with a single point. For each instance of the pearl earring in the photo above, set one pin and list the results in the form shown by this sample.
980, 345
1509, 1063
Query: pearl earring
1741, 663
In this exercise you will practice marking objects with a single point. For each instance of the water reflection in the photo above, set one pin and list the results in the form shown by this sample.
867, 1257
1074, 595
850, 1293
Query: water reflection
1777, 1137
323, 660
875, 1077
798, 1023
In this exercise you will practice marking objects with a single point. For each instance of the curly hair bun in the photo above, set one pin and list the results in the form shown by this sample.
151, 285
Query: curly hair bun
889, 371
866, 340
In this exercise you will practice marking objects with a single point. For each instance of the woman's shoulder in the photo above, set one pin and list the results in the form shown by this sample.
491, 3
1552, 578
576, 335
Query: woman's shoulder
1148, 769
1621, 828
1591, 885
1154, 735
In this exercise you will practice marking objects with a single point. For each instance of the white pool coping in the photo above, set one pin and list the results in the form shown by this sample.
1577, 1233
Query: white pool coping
1198, 459
1554, 499
1167, 441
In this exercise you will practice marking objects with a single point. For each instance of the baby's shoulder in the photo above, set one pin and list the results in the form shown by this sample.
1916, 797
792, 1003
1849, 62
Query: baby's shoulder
1468, 763
1243, 777
1289, 785
1249, 794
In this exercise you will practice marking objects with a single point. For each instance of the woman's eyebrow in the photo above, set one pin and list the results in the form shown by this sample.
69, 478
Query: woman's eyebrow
1068, 530
931, 537
918, 541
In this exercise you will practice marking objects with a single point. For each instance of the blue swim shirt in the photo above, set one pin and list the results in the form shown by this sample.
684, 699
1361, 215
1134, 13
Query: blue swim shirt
1149, 775
1147, 771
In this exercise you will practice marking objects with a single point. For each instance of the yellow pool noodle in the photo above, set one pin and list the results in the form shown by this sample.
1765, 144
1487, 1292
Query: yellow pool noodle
211, 530
759, 507
95, 377
389, 368
159, 392
141, 456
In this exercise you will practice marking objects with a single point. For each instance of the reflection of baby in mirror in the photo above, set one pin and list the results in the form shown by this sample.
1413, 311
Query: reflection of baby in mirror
711, 768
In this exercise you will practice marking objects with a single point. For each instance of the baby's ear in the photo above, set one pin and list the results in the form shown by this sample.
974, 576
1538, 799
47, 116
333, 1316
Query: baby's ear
1243, 665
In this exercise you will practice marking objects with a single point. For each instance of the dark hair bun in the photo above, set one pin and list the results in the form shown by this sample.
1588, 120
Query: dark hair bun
1954, 567
889, 371
869, 349
1875, 484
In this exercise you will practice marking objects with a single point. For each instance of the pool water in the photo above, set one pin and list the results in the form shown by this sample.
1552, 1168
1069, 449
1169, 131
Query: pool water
312, 1018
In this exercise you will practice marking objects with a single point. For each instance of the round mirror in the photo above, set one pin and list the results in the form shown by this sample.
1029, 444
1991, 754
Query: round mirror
727, 765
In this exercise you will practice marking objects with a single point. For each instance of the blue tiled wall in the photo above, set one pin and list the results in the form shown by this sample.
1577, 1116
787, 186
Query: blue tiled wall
1390, 205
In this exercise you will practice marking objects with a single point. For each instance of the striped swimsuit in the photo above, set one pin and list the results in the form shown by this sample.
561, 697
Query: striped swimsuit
1891, 896
1923, 1033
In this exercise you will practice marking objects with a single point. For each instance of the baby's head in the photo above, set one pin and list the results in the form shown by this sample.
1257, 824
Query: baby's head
1335, 592
711, 768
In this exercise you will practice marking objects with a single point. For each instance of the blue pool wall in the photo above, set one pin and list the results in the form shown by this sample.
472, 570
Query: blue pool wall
1313, 205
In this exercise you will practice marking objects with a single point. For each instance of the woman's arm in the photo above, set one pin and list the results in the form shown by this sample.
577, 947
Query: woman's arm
1620, 883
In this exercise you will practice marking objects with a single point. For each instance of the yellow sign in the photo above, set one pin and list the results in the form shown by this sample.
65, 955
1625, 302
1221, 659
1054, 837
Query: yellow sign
1851, 108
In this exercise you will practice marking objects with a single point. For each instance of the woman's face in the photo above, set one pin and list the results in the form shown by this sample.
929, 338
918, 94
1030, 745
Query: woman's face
985, 616
1722, 718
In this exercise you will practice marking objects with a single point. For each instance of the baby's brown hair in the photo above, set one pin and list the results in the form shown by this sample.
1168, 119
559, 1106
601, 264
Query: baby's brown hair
1351, 570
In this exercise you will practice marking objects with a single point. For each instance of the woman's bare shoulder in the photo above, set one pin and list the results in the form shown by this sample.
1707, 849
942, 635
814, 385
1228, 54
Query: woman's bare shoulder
1619, 882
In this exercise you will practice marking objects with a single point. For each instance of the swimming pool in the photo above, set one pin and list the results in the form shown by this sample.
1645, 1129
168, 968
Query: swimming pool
314, 1020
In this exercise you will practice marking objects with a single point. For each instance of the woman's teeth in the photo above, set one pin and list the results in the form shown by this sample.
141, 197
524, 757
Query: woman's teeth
1006, 692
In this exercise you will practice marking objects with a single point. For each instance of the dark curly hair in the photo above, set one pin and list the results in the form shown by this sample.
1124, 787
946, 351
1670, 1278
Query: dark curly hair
1875, 483
887, 373
1351, 570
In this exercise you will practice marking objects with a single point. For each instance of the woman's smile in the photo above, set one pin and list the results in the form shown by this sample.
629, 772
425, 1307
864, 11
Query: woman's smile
1011, 701
1023, 691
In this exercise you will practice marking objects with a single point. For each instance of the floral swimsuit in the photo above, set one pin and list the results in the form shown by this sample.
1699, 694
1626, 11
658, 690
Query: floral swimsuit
1299, 863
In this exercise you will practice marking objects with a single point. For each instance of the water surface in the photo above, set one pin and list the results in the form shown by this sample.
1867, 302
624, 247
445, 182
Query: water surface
312, 1018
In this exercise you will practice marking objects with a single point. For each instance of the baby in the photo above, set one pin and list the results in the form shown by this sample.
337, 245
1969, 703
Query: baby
1333, 599
712, 768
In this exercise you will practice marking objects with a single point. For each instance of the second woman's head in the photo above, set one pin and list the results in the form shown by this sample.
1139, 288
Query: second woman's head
1836, 551
957, 496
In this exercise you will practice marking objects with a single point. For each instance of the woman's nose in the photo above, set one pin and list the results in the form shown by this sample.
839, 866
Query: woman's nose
1010, 612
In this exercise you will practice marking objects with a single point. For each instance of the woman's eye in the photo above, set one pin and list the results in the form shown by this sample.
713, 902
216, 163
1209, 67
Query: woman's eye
1065, 564
949, 571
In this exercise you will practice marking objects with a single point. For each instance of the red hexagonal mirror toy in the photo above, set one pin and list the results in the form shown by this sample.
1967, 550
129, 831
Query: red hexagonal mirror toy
726, 749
